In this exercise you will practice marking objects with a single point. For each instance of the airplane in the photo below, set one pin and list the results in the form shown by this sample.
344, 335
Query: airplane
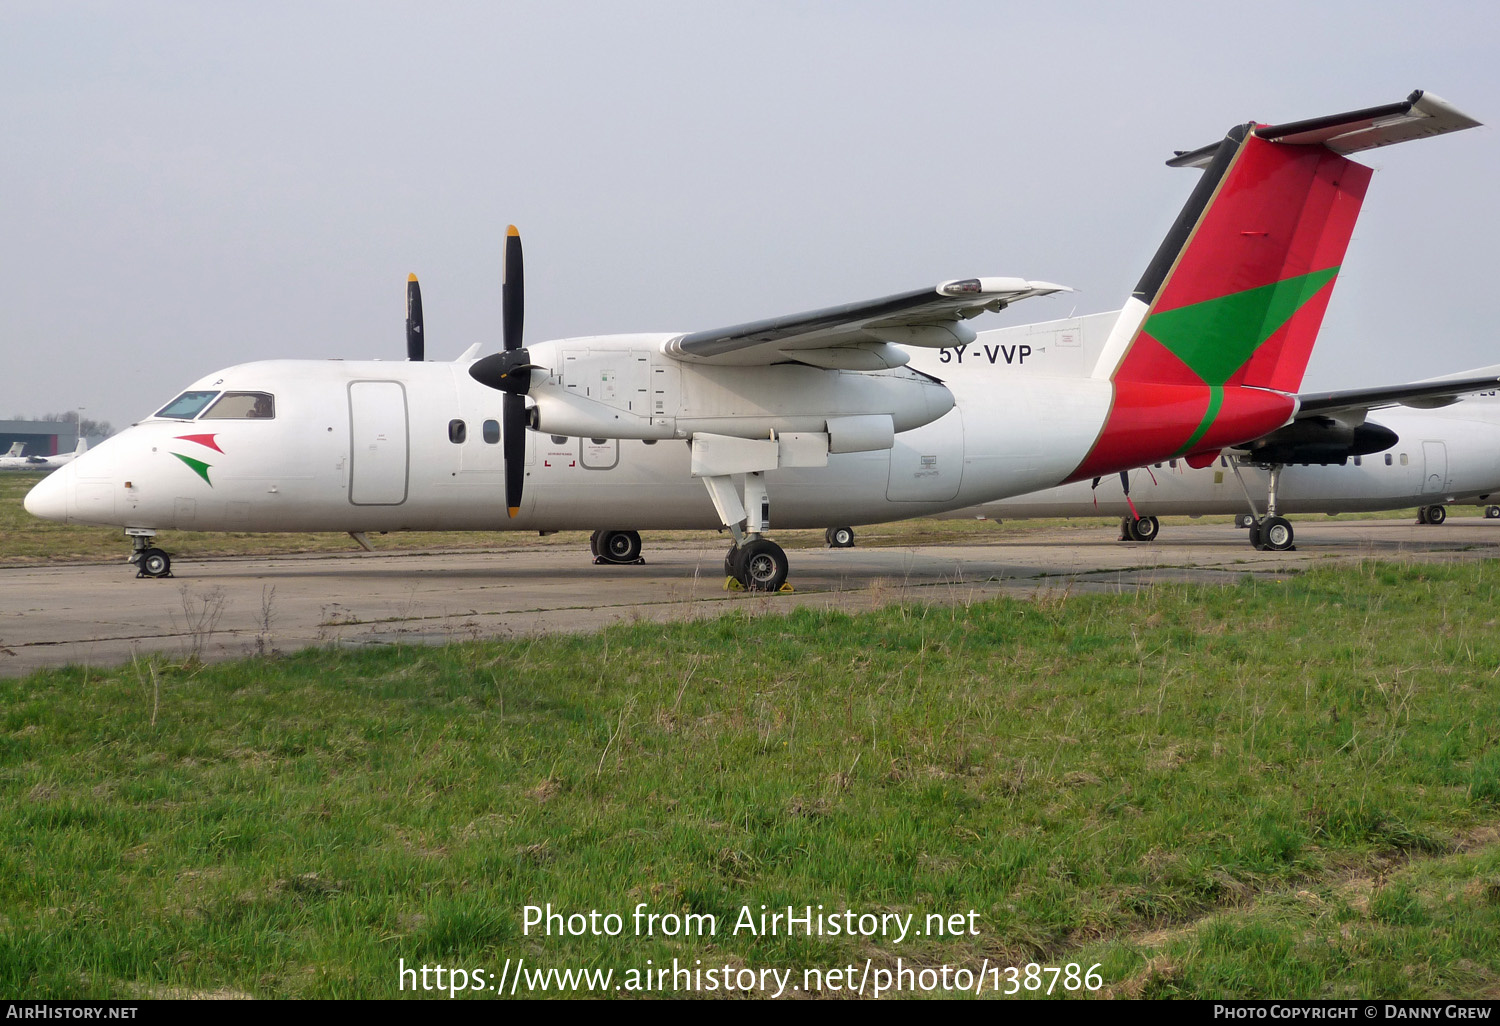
802, 420
17, 449
1433, 460
16, 461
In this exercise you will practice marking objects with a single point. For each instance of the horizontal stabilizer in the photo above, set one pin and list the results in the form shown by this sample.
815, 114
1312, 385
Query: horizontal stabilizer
1420, 115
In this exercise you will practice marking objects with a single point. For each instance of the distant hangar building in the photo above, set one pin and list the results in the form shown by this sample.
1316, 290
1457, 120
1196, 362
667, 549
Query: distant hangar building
42, 437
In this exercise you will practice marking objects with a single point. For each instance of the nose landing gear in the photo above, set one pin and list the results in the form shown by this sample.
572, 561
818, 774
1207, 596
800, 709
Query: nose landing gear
149, 560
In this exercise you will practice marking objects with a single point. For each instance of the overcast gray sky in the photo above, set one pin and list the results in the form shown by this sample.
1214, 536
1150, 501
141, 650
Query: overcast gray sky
190, 185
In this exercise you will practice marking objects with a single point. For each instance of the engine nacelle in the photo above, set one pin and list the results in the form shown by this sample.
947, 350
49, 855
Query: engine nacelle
1321, 440
625, 391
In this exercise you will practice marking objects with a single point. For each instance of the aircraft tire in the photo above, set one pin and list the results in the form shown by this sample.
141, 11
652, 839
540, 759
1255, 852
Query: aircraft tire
1276, 534
1492, 512
762, 566
841, 537
731, 562
1244, 520
619, 546
1436, 514
1255, 537
1145, 529
156, 563
594, 543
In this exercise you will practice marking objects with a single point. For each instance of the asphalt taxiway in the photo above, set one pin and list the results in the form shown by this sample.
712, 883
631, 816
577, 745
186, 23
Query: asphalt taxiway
100, 614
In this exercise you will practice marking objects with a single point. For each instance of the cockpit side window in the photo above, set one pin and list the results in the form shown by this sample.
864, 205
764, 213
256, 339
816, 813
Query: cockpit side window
186, 406
243, 406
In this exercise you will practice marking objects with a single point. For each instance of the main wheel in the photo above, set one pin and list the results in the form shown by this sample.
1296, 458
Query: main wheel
620, 546
1145, 529
156, 563
1254, 534
594, 543
1244, 520
1492, 512
762, 566
841, 537
732, 562
1437, 514
1276, 533
1421, 514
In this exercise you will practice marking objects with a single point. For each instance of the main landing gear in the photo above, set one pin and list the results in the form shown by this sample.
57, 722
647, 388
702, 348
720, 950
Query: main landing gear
149, 561
1492, 512
616, 547
1139, 529
1437, 514
839, 537
1271, 532
758, 565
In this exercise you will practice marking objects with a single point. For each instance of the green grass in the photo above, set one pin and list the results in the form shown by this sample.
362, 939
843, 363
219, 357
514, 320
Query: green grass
1287, 788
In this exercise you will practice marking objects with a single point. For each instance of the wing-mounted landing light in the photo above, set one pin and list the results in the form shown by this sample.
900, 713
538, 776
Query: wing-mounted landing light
509, 371
415, 344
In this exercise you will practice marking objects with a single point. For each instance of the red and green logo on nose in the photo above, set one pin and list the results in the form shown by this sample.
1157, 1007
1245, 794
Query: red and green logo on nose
198, 466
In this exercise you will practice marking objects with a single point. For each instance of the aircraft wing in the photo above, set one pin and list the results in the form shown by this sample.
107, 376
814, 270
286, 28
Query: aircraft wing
858, 336
1421, 395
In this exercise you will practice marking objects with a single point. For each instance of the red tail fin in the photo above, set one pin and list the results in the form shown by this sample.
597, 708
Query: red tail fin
1222, 324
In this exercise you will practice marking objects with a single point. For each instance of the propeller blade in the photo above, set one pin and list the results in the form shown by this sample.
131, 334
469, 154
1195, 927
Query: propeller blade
513, 292
513, 435
415, 344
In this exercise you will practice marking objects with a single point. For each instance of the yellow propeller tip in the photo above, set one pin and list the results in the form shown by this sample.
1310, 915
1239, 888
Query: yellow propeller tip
512, 230
411, 277
514, 510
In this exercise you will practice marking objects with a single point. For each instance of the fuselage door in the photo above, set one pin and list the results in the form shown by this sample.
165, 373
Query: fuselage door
927, 463
378, 448
1435, 456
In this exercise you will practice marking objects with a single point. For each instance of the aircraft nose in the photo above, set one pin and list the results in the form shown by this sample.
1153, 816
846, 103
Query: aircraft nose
49, 498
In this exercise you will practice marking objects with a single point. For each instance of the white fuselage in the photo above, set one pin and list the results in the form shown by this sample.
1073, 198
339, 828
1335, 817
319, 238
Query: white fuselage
1443, 456
369, 446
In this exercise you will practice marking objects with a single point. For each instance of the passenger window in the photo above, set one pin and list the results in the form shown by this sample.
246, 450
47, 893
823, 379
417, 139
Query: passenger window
1403, 459
1388, 459
458, 431
1356, 461
186, 406
1172, 464
559, 439
492, 431
243, 406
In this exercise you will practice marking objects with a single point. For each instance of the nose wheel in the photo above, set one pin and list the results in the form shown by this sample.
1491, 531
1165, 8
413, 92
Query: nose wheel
149, 560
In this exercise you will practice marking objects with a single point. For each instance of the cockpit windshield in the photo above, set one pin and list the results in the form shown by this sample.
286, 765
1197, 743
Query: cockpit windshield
186, 406
243, 406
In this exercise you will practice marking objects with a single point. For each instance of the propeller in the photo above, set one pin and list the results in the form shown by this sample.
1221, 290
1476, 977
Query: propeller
415, 344
509, 371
